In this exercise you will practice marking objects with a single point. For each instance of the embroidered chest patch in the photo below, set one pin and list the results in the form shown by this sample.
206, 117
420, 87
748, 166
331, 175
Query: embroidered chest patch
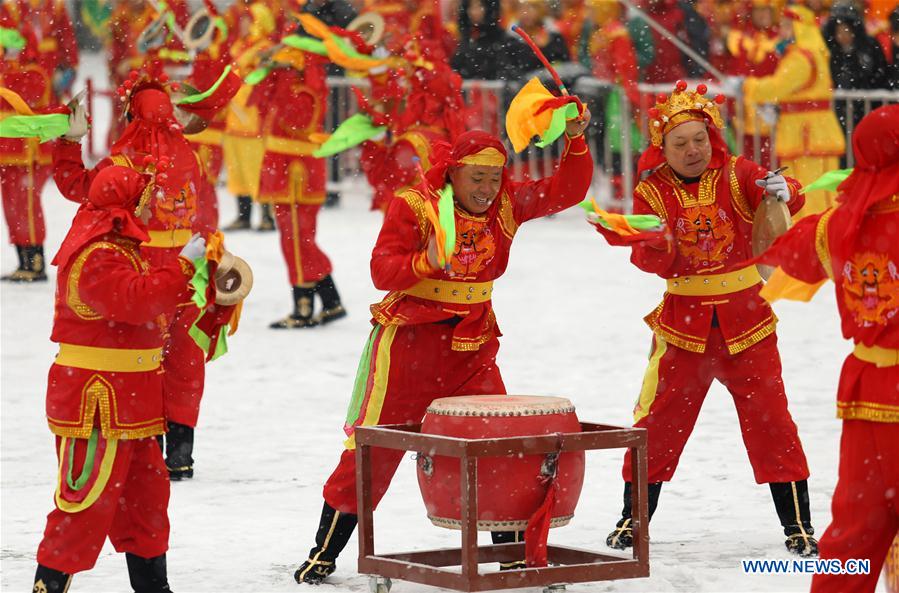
871, 288
475, 248
705, 235
177, 208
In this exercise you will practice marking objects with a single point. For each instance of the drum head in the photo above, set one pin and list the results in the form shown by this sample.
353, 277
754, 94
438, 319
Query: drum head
772, 219
500, 405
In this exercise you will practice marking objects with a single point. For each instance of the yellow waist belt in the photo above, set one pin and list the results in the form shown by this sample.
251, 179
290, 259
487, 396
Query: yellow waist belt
714, 284
109, 359
447, 291
173, 238
877, 355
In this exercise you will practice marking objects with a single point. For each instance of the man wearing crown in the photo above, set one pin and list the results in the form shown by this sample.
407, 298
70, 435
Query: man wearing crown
105, 389
435, 333
183, 204
854, 244
712, 323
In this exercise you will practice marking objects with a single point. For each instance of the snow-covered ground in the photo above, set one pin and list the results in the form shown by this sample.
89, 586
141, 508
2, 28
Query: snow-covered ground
270, 432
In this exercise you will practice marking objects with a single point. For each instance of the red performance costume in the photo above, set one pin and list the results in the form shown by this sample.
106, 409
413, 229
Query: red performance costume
420, 103
435, 333
184, 205
105, 391
854, 244
292, 100
38, 73
712, 323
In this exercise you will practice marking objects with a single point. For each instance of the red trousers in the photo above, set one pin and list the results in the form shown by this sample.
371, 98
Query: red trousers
183, 363
675, 385
306, 262
21, 188
865, 504
126, 497
413, 365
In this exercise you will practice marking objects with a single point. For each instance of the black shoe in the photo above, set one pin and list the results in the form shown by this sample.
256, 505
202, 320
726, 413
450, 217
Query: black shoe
301, 318
179, 449
800, 541
508, 537
267, 223
332, 309
622, 537
314, 572
332, 199
178, 474
334, 531
31, 265
329, 315
148, 575
792, 505
244, 208
48, 580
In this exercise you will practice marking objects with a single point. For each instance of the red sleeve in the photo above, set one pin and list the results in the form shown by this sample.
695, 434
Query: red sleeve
71, 176
748, 173
399, 260
797, 251
655, 255
115, 290
567, 186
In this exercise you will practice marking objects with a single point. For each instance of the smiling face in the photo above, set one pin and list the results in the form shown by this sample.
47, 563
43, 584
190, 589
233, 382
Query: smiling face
476, 186
687, 149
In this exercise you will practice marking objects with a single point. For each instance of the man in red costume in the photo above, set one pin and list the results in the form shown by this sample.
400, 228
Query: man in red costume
184, 205
104, 391
39, 73
854, 244
712, 323
292, 101
433, 317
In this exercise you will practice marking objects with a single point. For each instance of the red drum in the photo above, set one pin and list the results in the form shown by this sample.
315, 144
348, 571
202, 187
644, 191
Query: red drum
510, 488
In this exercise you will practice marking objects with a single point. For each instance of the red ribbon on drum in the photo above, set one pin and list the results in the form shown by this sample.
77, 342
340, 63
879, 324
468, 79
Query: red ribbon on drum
537, 532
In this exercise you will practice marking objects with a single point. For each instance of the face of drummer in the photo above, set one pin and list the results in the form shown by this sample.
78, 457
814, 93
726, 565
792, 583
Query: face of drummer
475, 187
687, 148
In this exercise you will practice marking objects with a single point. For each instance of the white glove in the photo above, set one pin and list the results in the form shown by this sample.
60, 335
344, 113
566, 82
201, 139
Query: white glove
78, 125
195, 248
775, 185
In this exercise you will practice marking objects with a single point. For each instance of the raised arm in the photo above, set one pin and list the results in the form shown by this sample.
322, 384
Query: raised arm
71, 176
565, 188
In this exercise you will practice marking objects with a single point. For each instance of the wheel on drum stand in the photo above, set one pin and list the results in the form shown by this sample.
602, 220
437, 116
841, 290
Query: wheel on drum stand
554, 589
379, 584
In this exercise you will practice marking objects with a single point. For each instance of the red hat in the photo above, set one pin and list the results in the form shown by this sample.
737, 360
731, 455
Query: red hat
111, 199
875, 144
475, 147
117, 187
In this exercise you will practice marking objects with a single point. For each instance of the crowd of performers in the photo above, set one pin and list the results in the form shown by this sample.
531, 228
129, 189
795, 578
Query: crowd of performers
137, 315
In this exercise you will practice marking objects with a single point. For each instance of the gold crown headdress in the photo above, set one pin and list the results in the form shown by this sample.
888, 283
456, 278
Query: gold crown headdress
682, 106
